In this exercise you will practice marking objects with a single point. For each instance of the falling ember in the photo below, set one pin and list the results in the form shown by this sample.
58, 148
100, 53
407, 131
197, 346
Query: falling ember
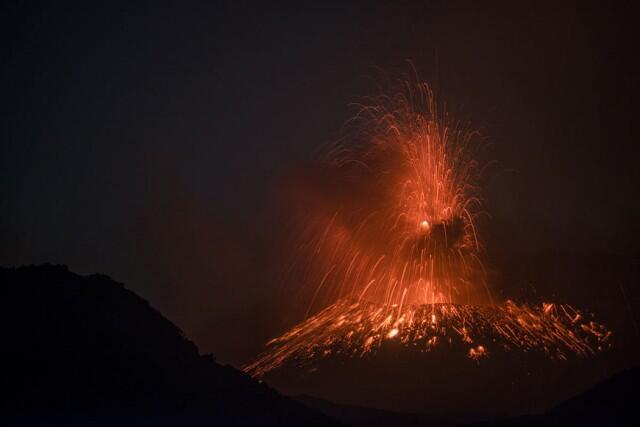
391, 249
477, 353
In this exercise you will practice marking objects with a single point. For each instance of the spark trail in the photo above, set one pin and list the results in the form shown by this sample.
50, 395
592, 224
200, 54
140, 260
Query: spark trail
359, 329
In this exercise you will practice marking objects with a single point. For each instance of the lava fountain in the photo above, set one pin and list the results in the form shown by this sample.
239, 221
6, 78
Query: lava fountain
388, 248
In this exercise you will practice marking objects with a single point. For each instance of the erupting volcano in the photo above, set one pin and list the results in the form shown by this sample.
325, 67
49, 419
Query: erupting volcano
386, 247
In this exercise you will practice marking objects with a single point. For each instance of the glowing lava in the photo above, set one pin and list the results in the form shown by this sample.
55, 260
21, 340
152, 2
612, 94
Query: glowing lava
388, 247
392, 220
357, 329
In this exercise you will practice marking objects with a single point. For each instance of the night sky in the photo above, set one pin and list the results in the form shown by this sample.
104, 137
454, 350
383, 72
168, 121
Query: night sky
147, 142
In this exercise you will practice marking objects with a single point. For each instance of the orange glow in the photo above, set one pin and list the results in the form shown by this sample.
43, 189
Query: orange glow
364, 325
397, 225
392, 250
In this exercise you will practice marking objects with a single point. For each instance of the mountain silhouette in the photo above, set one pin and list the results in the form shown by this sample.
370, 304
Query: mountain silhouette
611, 402
83, 350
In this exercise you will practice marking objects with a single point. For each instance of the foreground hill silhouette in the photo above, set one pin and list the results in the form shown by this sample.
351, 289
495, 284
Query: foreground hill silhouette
612, 402
86, 351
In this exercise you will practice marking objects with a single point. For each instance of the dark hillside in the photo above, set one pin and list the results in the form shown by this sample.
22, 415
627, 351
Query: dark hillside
84, 350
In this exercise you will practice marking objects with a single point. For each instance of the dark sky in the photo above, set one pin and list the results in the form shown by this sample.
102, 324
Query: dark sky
146, 141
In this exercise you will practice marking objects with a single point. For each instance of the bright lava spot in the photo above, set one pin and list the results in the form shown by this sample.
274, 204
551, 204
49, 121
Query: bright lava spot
425, 225
392, 333
477, 353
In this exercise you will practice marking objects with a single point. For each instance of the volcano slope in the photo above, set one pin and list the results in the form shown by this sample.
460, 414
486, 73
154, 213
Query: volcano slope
84, 350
